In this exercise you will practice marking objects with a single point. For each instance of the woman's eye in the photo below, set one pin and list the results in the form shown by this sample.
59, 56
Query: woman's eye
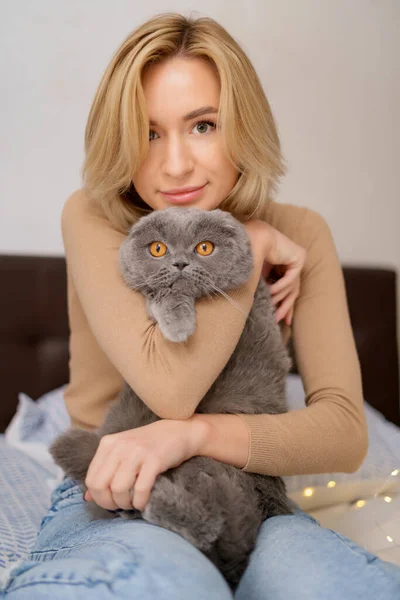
150, 132
205, 124
202, 127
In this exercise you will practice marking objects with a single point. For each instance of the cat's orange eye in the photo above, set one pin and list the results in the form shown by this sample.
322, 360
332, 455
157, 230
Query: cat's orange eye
205, 248
158, 249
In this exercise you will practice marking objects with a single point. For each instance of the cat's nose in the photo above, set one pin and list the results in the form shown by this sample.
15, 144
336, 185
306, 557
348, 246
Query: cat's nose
180, 265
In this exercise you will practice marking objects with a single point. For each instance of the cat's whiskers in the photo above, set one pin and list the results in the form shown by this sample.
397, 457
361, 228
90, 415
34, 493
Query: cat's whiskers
217, 290
232, 301
141, 286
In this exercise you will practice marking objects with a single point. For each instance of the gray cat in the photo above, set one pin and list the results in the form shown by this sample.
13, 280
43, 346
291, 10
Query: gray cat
175, 256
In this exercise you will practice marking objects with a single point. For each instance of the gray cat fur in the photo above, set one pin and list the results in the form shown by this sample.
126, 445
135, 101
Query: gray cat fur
215, 506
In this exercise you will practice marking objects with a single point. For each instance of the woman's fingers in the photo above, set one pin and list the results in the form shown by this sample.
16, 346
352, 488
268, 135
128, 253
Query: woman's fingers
144, 484
156, 448
289, 316
287, 279
122, 483
100, 473
103, 498
285, 306
278, 297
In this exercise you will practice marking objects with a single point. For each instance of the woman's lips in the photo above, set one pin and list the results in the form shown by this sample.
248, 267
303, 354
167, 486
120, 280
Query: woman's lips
185, 196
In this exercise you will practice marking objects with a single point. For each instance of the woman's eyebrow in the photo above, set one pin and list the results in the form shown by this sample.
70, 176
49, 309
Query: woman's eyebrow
198, 112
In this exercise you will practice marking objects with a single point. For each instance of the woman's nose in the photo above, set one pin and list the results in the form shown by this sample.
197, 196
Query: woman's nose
178, 158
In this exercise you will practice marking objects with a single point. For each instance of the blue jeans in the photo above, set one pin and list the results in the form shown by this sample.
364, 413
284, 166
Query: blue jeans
79, 557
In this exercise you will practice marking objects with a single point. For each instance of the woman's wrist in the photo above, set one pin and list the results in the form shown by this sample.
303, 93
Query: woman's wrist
199, 434
222, 437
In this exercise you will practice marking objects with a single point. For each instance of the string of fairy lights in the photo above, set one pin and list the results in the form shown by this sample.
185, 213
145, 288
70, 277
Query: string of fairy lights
378, 494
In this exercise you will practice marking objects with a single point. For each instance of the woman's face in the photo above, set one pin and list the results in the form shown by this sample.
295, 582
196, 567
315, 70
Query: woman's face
184, 150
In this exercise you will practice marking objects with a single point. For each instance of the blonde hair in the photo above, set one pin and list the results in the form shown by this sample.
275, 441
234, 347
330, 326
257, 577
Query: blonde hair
117, 130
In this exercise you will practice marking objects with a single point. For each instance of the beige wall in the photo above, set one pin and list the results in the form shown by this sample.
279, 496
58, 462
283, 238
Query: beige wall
330, 69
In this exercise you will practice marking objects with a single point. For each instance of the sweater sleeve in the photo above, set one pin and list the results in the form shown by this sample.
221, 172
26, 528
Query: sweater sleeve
171, 378
330, 434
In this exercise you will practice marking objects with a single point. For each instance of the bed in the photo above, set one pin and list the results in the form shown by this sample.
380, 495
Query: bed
34, 361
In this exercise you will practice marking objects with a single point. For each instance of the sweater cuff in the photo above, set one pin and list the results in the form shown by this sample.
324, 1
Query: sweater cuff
262, 444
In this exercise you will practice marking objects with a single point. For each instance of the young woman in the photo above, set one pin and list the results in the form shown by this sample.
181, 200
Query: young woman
180, 106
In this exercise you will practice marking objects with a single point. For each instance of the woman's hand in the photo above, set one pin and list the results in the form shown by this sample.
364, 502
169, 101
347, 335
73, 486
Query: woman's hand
283, 256
134, 458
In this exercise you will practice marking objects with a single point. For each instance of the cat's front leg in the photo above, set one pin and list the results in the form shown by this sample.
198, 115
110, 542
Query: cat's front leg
175, 315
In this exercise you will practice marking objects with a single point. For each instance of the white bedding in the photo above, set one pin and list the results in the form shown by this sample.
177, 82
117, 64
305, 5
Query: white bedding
36, 424
374, 526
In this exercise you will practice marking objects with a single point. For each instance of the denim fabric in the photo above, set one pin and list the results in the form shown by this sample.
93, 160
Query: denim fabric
78, 557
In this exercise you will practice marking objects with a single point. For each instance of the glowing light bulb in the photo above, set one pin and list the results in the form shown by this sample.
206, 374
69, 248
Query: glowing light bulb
331, 484
308, 491
360, 503
387, 499
389, 539
394, 473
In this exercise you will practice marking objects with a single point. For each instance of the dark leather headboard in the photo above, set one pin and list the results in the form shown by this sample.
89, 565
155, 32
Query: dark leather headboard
34, 331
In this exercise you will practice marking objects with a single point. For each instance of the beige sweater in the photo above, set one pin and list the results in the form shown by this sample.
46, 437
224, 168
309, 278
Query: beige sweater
112, 339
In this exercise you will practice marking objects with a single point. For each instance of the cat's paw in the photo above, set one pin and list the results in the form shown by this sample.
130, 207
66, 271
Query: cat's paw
176, 317
177, 331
